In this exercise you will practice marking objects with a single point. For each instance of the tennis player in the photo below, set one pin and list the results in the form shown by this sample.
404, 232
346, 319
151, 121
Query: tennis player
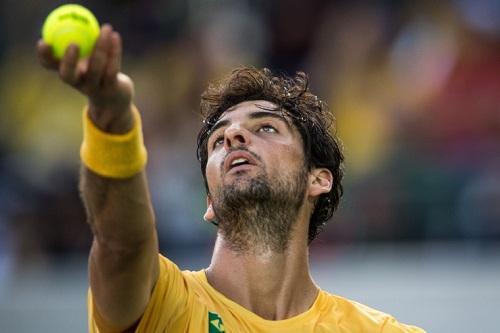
273, 175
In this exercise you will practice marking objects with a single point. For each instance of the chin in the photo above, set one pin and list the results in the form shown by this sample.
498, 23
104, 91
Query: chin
240, 176
240, 182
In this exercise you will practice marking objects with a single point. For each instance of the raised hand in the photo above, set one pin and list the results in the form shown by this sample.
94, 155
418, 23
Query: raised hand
109, 91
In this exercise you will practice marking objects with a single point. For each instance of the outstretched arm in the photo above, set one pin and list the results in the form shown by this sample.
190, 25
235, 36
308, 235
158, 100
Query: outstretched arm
123, 261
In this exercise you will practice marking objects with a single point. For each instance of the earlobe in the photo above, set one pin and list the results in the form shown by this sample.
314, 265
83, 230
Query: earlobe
209, 215
321, 180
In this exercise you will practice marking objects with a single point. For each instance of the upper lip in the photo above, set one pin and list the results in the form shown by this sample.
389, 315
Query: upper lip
235, 155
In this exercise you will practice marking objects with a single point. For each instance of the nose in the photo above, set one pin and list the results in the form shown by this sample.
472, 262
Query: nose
235, 136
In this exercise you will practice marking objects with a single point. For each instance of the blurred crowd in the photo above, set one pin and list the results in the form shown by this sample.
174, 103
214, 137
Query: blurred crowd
414, 87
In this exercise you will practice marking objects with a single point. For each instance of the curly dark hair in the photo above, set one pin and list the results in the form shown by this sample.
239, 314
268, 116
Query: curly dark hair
308, 113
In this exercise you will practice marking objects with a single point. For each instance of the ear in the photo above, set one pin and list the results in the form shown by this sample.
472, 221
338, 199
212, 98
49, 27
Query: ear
209, 215
320, 181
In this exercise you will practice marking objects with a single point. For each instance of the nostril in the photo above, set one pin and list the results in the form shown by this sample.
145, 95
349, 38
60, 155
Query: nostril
239, 138
235, 139
236, 136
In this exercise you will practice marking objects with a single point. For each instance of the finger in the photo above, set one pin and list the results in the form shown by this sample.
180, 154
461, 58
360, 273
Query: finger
68, 70
99, 58
45, 55
115, 59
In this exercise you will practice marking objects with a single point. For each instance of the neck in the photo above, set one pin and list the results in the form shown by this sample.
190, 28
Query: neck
273, 285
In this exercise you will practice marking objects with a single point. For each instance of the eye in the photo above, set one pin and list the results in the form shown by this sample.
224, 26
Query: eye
267, 129
218, 141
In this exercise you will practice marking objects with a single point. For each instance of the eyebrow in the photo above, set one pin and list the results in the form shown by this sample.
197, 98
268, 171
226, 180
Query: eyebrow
253, 115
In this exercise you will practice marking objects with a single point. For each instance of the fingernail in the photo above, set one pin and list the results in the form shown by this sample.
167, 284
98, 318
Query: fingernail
73, 49
106, 26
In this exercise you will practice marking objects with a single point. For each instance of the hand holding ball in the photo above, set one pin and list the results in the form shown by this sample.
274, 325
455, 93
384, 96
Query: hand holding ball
98, 77
70, 24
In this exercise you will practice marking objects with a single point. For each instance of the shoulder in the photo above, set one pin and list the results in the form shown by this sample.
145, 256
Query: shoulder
182, 283
354, 316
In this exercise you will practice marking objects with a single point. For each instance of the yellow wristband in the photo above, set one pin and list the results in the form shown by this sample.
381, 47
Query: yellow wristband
113, 155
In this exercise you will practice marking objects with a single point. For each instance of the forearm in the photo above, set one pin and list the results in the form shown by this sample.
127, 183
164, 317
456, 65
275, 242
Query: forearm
123, 262
118, 206
119, 211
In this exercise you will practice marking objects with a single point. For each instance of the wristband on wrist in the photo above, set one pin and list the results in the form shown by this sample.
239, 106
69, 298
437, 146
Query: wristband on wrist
113, 155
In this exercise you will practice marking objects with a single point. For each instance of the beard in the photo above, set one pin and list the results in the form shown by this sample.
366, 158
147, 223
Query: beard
256, 215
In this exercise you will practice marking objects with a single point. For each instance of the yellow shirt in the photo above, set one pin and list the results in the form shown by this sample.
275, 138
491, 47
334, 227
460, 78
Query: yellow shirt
184, 302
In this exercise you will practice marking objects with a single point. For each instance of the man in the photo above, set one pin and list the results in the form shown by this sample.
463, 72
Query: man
273, 176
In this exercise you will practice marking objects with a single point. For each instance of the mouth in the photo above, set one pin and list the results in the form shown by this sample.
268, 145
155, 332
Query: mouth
239, 161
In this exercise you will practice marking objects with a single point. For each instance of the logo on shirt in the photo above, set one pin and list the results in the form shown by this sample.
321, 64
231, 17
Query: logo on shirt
215, 324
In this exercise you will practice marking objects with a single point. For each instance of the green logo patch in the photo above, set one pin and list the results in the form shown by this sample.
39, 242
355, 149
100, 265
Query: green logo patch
215, 324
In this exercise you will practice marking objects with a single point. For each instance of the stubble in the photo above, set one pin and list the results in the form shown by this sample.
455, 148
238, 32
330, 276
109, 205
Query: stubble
256, 214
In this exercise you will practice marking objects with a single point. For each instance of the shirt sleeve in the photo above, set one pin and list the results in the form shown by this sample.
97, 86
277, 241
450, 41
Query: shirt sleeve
168, 307
391, 325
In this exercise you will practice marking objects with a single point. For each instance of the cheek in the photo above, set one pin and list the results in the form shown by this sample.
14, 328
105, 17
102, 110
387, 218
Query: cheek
212, 171
288, 159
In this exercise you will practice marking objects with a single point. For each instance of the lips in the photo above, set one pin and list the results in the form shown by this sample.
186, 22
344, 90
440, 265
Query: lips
238, 159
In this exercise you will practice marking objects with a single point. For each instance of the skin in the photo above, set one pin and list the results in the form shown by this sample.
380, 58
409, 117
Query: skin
123, 261
274, 285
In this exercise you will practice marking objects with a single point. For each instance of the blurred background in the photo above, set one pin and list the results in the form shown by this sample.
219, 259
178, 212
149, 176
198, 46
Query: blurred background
414, 87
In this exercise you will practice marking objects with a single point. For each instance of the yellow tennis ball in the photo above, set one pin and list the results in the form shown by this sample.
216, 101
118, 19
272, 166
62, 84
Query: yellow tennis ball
69, 24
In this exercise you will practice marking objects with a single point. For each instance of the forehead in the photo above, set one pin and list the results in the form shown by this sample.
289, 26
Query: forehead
244, 108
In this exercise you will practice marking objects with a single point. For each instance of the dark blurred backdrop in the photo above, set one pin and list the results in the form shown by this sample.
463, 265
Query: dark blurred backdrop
414, 87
